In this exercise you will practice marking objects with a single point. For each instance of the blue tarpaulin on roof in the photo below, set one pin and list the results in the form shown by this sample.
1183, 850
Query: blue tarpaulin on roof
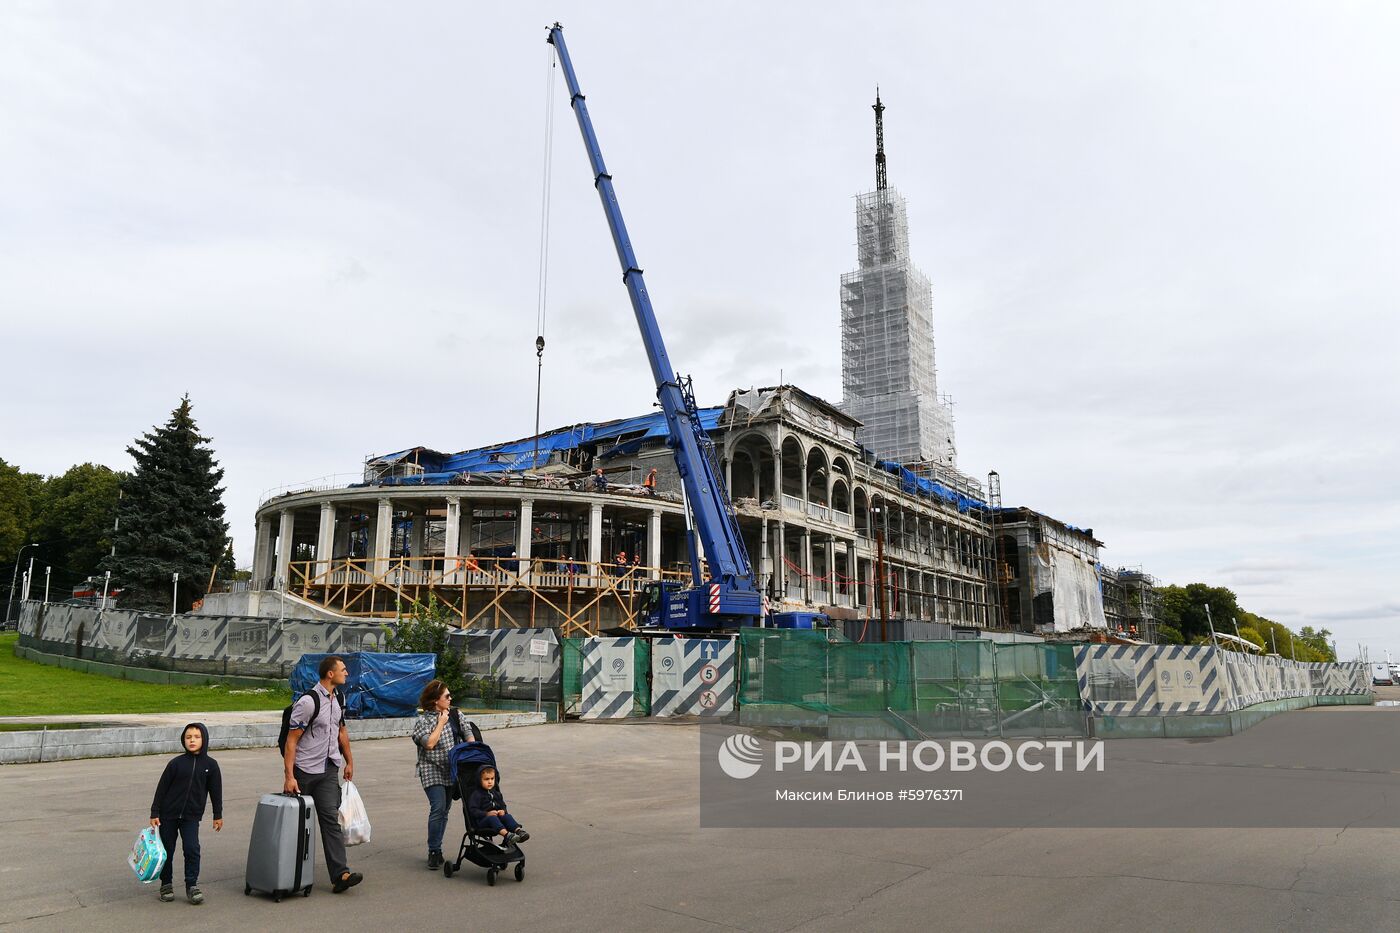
521, 455
380, 685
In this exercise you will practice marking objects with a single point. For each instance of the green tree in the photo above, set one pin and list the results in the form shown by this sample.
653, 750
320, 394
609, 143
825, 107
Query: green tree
1184, 609
21, 495
172, 515
75, 519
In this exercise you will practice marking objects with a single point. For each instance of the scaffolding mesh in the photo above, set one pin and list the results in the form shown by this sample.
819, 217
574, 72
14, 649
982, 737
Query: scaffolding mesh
915, 689
888, 376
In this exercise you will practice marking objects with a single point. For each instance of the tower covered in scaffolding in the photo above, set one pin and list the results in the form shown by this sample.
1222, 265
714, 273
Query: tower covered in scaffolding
888, 377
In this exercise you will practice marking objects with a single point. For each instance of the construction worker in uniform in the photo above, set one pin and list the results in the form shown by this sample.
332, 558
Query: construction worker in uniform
649, 484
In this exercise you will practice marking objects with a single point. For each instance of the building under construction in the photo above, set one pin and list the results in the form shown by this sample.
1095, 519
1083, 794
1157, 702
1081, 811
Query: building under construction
527, 534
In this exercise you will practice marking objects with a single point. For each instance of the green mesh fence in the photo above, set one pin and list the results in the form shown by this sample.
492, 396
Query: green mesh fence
572, 678
911, 689
569, 658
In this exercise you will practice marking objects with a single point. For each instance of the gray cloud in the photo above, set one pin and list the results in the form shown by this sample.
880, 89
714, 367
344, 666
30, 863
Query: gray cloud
1159, 238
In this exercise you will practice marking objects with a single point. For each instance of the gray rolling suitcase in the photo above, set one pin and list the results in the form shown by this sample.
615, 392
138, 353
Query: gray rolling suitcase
281, 860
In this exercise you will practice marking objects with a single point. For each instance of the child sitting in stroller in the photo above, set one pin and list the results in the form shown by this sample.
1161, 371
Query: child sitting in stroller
488, 810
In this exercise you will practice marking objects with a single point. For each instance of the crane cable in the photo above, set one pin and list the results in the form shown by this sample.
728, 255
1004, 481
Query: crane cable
542, 291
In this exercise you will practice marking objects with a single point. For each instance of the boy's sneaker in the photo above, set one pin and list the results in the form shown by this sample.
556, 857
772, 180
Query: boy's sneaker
167, 893
521, 835
194, 895
434, 860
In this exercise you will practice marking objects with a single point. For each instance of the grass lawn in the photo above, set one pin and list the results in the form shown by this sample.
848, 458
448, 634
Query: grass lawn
28, 688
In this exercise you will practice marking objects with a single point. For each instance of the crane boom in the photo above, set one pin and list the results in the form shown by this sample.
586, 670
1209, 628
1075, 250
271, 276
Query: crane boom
729, 596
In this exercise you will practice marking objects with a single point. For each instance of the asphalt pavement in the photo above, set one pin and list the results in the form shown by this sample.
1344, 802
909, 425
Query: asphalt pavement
614, 812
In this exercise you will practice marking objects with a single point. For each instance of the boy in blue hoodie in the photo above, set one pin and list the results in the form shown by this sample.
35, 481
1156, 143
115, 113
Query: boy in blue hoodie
179, 804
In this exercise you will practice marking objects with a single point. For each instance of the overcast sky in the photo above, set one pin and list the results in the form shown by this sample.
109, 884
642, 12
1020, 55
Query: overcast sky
1161, 239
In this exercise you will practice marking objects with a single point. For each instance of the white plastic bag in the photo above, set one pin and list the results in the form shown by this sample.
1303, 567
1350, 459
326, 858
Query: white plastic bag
354, 820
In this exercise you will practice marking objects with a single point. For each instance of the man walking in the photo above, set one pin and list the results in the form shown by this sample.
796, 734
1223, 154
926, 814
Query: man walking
318, 745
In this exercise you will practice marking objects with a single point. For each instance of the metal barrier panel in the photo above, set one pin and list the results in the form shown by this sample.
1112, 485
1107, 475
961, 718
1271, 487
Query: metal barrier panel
1151, 680
299, 638
692, 676
1157, 680
608, 678
199, 637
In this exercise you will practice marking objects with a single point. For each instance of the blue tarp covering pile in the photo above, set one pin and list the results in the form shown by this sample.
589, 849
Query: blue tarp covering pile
519, 455
379, 686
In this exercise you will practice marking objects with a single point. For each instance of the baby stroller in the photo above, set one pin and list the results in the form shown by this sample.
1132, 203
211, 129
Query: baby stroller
466, 761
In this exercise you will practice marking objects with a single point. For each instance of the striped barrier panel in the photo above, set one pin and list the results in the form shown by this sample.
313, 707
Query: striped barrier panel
1150, 680
201, 638
515, 657
28, 618
608, 678
692, 676
115, 631
299, 638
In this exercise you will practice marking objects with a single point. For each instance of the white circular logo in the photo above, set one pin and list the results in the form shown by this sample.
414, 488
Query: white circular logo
740, 756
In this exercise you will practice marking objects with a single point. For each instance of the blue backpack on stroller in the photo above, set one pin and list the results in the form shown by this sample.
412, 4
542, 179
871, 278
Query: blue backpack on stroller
464, 762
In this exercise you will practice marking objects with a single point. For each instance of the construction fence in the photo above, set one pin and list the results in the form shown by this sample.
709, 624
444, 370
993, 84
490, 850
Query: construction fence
908, 689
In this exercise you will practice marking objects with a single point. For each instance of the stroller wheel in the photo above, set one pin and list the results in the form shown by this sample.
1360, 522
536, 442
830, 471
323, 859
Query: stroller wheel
491, 877
519, 871
447, 869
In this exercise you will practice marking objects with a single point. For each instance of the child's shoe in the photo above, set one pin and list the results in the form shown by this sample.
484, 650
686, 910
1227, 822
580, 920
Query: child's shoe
194, 895
521, 835
167, 893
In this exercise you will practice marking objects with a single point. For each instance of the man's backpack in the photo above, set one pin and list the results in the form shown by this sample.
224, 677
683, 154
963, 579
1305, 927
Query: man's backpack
315, 714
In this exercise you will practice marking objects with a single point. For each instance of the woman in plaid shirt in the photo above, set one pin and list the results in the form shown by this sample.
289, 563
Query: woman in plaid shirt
434, 735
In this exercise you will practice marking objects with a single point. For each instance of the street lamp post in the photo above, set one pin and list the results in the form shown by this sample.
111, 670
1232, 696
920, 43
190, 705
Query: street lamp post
106, 588
174, 593
19, 555
47, 572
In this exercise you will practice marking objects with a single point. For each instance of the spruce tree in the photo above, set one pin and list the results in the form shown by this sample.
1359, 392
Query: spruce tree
171, 516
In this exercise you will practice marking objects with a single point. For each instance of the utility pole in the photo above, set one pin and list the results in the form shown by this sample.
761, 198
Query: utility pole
1291, 653
106, 588
1213, 640
174, 593
47, 571
28, 577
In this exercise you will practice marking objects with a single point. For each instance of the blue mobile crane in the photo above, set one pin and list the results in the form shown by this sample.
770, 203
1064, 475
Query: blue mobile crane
728, 599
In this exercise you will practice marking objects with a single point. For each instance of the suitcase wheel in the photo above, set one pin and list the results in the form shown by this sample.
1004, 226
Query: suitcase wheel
247, 890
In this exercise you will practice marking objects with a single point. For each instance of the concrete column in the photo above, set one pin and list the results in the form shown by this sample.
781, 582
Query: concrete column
417, 536
464, 539
285, 532
595, 536
729, 477
654, 543
765, 564
451, 532
525, 535
834, 587
780, 568
325, 537
262, 553
778, 475
383, 528
806, 557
